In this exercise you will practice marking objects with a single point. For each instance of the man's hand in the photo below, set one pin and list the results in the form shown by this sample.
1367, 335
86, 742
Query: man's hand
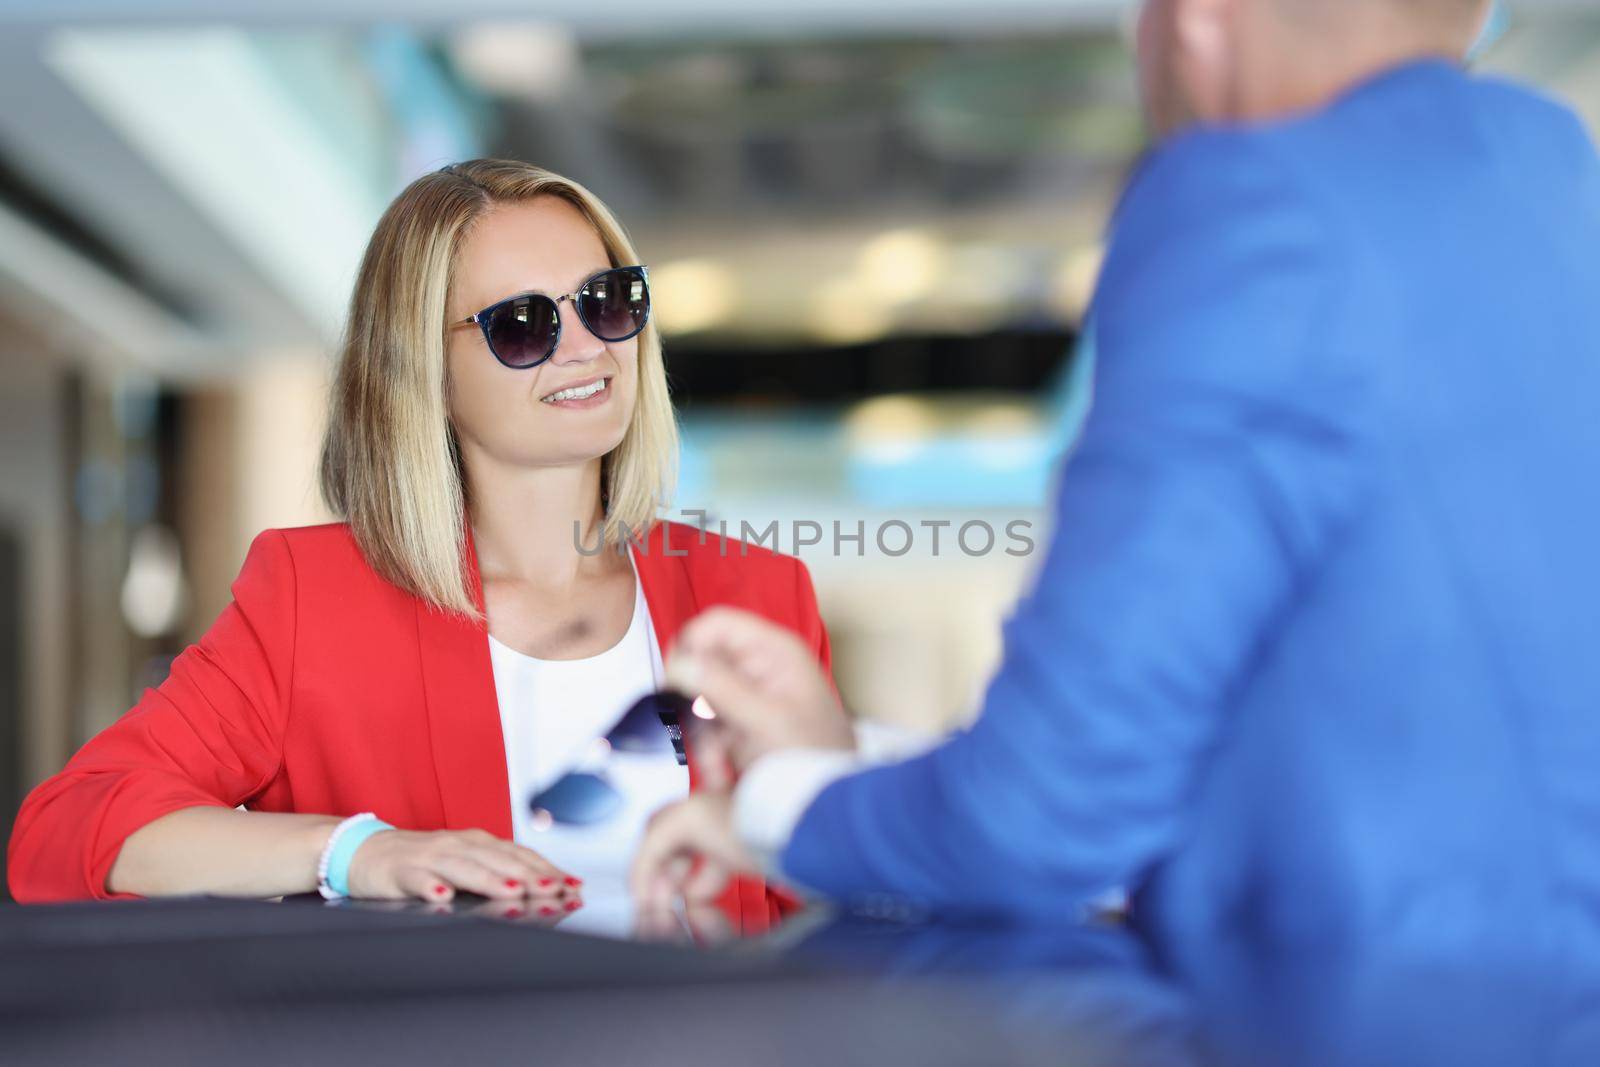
702, 923
689, 849
763, 683
767, 692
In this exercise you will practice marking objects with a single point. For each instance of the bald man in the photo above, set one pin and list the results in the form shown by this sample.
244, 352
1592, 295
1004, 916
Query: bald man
1314, 657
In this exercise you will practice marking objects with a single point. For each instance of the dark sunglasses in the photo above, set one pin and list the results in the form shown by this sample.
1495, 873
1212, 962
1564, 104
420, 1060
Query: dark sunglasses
523, 331
583, 798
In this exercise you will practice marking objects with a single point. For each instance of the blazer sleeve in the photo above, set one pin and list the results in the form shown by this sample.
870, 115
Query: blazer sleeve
1219, 462
211, 735
808, 617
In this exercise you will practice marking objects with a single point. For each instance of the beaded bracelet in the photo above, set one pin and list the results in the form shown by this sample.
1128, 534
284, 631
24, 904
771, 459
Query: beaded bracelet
333, 866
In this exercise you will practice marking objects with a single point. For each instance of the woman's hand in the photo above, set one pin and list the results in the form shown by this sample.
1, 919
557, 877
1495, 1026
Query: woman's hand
435, 865
544, 914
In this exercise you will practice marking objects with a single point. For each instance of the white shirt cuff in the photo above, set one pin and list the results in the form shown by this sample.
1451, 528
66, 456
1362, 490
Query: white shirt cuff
775, 791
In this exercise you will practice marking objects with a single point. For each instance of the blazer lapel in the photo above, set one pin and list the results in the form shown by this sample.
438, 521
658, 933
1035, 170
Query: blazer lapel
664, 574
469, 751
666, 584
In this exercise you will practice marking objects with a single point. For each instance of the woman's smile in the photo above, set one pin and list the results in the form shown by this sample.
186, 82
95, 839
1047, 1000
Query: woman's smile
588, 393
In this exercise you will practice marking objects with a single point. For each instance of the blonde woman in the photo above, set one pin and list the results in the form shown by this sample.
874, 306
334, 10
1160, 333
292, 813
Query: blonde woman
428, 697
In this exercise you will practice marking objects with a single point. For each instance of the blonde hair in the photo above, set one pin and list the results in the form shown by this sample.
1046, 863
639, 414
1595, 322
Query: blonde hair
391, 464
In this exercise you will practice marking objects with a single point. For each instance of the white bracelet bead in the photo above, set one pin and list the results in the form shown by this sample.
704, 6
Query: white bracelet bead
327, 891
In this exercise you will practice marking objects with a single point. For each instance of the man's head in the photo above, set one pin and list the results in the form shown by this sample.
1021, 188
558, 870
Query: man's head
1219, 60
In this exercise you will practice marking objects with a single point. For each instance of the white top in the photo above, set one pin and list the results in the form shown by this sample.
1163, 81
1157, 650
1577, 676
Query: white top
554, 715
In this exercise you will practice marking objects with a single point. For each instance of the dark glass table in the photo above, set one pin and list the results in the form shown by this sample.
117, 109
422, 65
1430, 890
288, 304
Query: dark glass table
209, 981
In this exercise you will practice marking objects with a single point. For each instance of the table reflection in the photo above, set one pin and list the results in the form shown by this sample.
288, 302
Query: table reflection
1105, 989
1307, 1005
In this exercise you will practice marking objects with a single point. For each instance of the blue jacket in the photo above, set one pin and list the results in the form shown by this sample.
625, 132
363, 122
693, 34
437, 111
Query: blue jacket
1314, 655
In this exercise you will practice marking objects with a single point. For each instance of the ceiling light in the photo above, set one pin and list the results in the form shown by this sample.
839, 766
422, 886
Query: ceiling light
690, 295
533, 60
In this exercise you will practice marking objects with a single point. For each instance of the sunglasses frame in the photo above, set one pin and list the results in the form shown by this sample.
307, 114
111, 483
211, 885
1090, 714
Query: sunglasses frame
668, 706
481, 319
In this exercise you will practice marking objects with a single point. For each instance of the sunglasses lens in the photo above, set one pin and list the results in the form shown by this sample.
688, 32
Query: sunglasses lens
615, 305
579, 798
645, 727
523, 331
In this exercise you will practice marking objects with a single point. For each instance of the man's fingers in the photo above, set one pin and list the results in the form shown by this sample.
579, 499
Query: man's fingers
708, 924
744, 641
733, 632
710, 748
735, 698
674, 874
691, 849
659, 924
664, 840
682, 840
707, 881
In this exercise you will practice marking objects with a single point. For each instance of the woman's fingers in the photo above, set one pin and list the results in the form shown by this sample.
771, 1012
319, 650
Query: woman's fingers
513, 909
423, 884
434, 865
549, 914
522, 910
527, 855
501, 874
523, 872
465, 873
541, 868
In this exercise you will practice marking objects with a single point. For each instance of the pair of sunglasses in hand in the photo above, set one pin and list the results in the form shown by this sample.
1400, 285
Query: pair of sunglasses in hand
589, 796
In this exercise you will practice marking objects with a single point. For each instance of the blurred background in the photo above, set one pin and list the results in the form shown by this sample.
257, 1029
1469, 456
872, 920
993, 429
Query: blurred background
186, 187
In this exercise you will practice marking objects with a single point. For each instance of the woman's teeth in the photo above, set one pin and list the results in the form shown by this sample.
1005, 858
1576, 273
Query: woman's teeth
581, 392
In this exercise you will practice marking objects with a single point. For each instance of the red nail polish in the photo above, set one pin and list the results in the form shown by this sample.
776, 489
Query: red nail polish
545, 883
546, 909
574, 882
574, 905
513, 913
439, 891
512, 883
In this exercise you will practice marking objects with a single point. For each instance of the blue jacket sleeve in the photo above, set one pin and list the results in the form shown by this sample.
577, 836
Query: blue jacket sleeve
1220, 459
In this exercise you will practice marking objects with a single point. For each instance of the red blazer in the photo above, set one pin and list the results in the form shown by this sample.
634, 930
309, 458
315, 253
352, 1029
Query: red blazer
323, 688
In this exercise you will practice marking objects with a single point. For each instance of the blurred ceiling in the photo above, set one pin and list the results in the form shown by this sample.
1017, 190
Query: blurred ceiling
622, 17
618, 19
185, 186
